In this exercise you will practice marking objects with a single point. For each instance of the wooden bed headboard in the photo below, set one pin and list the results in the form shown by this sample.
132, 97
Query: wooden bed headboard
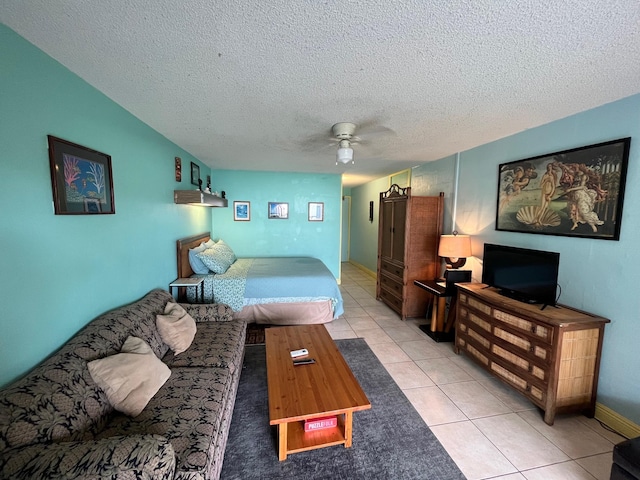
184, 244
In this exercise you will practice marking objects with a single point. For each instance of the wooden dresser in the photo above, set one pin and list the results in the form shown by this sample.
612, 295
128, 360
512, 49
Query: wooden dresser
408, 236
552, 356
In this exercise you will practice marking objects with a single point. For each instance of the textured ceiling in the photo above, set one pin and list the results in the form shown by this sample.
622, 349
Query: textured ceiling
256, 85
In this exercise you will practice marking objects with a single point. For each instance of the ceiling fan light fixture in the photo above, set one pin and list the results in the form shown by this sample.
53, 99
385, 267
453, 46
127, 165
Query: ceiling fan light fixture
345, 152
344, 155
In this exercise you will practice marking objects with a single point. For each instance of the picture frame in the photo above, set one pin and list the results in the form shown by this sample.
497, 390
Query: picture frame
575, 193
195, 174
178, 169
278, 210
241, 211
316, 211
81, 179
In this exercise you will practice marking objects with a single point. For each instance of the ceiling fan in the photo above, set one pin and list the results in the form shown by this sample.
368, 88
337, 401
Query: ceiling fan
344, 133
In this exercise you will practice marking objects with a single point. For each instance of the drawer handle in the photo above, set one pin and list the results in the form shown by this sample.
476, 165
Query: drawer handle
528, 389
532, 349
533, 329
530, 368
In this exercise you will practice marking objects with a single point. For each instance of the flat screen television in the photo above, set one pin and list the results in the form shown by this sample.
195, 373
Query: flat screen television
526, 275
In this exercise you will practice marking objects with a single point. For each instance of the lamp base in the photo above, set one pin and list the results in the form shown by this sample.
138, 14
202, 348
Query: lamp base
459, 262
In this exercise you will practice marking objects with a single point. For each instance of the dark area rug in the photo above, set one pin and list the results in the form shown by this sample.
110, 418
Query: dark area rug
255, 334
390, 441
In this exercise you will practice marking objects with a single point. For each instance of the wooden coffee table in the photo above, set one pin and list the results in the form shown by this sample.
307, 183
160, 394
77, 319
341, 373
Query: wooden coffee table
297, 393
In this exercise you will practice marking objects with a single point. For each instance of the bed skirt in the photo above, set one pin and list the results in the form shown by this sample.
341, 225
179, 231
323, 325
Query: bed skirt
297, 313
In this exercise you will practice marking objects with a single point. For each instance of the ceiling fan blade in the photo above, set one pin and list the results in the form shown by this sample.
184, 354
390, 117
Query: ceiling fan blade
373, 126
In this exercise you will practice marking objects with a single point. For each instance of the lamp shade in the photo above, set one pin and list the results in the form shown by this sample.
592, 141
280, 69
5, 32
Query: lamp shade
344, 155
455, 246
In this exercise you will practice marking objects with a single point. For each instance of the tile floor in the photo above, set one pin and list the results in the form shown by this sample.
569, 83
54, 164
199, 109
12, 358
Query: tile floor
490, 430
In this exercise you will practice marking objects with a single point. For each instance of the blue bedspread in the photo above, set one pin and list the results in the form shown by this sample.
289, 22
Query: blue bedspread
273, 280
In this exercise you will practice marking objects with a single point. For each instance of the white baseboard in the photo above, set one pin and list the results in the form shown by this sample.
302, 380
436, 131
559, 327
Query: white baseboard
364, 269
617, 422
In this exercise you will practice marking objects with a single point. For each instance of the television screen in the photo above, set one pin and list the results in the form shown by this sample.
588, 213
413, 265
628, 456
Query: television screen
526, 275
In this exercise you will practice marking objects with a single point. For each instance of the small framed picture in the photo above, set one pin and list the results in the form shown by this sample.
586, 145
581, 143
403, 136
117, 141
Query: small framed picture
178, 165
279, 210
81, 179
242, 211
316, 211
195, 174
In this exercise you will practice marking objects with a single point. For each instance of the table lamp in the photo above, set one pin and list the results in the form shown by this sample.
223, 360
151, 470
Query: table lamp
455, 249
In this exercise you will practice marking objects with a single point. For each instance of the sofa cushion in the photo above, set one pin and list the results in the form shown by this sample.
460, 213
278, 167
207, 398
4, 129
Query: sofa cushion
216, 344
130, 378
177, 328
56, 401
189, 411
106, 334
116, 458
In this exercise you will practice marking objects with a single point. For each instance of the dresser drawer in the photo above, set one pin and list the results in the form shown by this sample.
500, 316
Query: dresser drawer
523, 344
391, 268
533, 391
520, 362
541, 332
390, 299
391, 285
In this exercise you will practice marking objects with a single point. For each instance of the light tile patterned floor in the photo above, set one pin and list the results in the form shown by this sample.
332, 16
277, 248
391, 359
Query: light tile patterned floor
490, 430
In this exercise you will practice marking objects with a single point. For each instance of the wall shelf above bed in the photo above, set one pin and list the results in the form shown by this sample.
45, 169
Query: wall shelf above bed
198, 198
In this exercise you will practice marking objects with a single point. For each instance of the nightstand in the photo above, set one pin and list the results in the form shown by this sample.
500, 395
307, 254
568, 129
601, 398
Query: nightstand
189, 282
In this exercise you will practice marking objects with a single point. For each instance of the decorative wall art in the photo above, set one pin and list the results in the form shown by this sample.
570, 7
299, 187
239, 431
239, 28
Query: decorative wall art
81, 179
241, 211
316, 211
278, 210
577, 192
178, 164
195, 174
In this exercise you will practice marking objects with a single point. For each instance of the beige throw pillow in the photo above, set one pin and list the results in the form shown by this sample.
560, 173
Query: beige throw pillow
177, 328
130, 378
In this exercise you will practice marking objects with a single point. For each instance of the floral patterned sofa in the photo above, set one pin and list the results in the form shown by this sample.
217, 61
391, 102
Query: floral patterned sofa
55, 422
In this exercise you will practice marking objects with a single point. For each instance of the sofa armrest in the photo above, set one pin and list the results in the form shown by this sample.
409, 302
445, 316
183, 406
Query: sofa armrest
209, 312
134, 456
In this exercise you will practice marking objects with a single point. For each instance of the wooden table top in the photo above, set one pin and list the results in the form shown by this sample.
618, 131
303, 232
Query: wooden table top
326, 387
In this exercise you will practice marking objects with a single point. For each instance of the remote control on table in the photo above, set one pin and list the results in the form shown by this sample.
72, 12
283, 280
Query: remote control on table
304, 361
299, 353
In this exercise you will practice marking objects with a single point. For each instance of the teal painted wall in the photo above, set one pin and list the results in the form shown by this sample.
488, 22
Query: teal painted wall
595, 275
598, 276
364, 234
59, 272
295, 236
429, 179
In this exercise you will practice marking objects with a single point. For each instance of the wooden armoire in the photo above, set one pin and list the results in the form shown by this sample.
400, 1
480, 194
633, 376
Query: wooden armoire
408, 236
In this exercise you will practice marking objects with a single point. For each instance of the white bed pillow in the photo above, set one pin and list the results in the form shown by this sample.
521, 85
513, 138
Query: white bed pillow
177, 328
196, 264
130, 378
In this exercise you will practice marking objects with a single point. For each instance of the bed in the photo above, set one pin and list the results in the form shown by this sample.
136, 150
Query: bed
265, 290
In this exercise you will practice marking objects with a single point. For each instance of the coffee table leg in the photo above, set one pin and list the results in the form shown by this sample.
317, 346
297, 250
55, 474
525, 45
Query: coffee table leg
282, 441
348, 428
